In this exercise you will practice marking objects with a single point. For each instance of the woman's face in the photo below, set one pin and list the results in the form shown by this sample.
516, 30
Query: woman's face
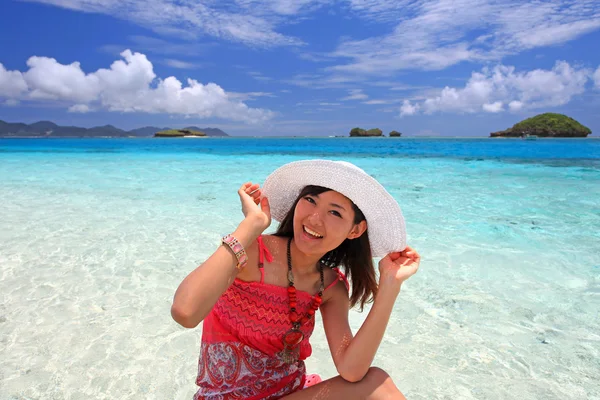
322, 222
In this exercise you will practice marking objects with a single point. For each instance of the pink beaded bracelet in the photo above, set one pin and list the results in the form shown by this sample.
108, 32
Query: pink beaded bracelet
238, 250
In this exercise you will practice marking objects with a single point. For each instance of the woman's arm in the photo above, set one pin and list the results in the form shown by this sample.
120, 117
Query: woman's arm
201, 289
353, 356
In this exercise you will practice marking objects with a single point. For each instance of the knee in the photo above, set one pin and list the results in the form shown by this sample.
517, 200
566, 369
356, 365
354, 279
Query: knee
380, 385
376, 373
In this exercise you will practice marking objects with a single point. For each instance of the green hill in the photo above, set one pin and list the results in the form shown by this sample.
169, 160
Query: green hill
50, 129
546, 125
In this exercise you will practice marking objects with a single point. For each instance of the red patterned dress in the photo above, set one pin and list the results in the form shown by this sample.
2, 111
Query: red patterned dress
241, 339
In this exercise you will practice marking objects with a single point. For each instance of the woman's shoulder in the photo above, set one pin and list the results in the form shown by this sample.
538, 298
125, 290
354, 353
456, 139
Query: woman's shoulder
273, 240
330, 276
335, 283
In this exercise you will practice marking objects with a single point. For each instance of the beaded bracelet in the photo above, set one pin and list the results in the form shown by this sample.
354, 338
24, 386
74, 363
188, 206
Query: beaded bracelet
237, 249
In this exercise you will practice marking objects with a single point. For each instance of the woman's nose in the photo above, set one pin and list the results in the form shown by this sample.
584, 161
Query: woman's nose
314, 219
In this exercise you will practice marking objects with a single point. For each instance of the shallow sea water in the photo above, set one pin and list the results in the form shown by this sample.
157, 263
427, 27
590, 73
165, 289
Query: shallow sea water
96, 235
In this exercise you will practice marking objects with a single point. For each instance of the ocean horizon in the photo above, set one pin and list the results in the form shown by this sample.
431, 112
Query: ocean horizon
96, 234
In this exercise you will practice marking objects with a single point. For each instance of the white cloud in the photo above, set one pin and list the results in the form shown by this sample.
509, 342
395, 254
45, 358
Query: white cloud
11, 83
380, 101
249, 95
490, 89
180, 64
130, 85
420, 34
433, 35
382, 10
317, 81
405, 87
313, 56
259, 76
251, 22
597, 78
49, 80
79, 108
12, 103
147, 44
493, 107
409, 109
515, 105
526, 25
279, 7
355, 94
428, 34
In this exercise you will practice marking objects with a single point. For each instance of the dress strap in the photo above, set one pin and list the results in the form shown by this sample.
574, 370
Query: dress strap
341, 277
263, 252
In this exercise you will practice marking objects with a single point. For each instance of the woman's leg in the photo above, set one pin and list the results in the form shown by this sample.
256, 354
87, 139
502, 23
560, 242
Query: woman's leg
376, 385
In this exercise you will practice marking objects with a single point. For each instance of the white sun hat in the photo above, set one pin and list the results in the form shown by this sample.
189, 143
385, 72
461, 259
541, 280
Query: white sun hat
385, 222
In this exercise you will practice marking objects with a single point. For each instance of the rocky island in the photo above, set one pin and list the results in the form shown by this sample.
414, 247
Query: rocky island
359, 132
179, 133
546, 125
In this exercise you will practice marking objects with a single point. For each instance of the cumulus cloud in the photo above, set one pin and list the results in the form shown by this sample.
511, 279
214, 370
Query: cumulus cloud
493, 107
129, 85
12, 83
79, 108
515, 105
492, 89
597, 78
407, 108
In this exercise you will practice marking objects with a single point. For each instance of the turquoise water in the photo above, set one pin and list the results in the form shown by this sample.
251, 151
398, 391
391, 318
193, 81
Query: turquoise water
96, 235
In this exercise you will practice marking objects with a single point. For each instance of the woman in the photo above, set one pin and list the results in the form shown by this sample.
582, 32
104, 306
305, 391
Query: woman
257, 295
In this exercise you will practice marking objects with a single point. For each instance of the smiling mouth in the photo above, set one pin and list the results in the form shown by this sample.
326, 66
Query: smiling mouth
311, 233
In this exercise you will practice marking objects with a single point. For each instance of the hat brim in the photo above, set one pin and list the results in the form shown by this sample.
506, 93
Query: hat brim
386, 225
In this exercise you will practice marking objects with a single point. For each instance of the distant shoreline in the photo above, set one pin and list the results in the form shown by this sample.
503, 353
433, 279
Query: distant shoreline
298, 137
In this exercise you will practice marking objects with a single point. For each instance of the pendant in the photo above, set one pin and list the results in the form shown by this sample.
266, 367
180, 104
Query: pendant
291, 345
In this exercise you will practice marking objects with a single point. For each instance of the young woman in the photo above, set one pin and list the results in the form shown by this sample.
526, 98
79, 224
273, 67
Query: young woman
257, 295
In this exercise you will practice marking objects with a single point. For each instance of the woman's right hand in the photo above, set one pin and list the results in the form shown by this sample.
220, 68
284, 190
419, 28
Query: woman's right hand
255, 207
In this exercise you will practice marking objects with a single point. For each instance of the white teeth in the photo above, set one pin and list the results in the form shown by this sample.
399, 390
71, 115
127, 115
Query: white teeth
312, 233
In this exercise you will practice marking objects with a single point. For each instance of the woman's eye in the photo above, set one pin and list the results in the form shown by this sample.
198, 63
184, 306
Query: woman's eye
309, 199
337, 214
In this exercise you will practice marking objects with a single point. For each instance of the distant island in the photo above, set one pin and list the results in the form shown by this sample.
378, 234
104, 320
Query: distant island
179, 133
50, 129
546, 125
359, 132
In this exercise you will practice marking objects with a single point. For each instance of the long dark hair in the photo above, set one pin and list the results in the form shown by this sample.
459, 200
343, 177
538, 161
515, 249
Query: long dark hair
353, 254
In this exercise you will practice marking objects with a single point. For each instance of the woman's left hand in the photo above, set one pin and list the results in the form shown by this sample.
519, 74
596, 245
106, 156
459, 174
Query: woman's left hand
395, 268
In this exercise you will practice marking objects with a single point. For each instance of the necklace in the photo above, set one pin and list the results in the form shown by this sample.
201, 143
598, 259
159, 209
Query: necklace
293, 337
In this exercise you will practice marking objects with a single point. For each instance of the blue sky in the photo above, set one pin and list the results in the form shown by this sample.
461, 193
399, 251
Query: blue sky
304, 67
